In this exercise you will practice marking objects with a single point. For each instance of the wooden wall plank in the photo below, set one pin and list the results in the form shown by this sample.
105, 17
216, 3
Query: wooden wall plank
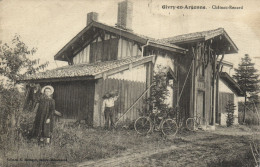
74, 99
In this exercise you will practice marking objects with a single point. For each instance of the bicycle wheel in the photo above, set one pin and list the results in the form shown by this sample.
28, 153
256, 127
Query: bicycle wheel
142, 125
169, 127
191, 124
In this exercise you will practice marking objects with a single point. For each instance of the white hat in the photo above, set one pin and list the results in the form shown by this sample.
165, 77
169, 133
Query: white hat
49, 87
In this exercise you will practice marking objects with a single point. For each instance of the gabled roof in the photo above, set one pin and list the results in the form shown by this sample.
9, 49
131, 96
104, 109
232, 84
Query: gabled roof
200, 36
231, 83
117, 31
87, 71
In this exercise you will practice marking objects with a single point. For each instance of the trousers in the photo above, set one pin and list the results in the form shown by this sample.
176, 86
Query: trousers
109, 116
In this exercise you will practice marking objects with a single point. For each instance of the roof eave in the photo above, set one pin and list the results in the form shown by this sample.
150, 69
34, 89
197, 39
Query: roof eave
166, 47
96, 75
44, 80
231, 42
59, 54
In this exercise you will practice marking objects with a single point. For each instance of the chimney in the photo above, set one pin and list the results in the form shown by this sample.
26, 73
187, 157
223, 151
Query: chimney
125, 14
92, 16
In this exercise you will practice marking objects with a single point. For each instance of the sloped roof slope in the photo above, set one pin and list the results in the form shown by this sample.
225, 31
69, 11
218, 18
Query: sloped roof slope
120, 32
196, 36
83, 70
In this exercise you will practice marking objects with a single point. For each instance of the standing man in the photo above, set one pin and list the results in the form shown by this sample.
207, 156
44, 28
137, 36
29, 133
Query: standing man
108, 108
43, 124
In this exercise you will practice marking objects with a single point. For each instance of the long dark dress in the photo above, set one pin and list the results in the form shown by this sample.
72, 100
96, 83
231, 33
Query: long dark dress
45, 111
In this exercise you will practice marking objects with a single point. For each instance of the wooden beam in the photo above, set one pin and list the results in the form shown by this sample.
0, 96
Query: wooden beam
90, 40
194, 83
167, 48
139, 46
70, 60
123, 33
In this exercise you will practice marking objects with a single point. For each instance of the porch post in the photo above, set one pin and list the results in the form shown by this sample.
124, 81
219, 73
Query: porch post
194, 83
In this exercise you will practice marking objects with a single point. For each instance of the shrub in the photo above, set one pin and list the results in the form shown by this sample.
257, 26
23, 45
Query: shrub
230, 108
251, 118
159, 91
10, 100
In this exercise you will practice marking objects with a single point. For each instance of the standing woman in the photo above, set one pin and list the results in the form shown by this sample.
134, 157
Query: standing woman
43, 124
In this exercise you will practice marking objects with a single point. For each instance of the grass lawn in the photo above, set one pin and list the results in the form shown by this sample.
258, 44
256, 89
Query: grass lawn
75, 144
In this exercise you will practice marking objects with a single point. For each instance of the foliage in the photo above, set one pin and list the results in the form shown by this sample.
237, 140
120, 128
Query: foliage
246, 76
15, 60
250, 119
248, 79
252, 116
11, 100
230, 108
159, 91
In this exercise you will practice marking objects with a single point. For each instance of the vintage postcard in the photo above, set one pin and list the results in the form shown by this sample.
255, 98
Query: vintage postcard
129, 83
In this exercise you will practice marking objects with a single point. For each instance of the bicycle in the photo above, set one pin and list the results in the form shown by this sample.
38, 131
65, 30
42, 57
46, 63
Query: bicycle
147, 124
195, 123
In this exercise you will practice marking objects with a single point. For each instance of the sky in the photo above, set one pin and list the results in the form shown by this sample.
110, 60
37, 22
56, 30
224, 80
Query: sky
49, 24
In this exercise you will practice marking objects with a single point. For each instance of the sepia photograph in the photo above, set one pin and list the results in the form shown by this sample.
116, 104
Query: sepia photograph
128, 83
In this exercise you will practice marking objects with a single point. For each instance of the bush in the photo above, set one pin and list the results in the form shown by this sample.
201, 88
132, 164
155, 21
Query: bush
230, 108
10, 100
251, 118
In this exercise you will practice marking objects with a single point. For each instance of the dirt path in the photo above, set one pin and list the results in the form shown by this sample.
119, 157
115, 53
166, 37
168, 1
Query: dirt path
198, 149
126, 158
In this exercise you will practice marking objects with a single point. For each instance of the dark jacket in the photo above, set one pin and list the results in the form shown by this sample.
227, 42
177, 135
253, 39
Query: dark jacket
45, 111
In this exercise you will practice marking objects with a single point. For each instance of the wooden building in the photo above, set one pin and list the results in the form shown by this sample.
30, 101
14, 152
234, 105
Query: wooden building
102, 58
201, 94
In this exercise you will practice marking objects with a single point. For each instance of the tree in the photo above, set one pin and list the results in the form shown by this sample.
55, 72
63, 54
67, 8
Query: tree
247, 78
16, 60
230, 108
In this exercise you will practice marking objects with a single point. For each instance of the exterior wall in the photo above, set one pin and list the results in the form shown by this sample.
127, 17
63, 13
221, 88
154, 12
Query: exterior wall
75, 100
185, 89
129, 92
127, 49
204, 87
82, 56
137, 74
130, 88
109, 49
225, 89
105, 50
98, 50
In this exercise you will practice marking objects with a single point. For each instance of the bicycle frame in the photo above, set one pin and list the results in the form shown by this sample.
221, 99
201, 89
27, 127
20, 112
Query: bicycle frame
153, 121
